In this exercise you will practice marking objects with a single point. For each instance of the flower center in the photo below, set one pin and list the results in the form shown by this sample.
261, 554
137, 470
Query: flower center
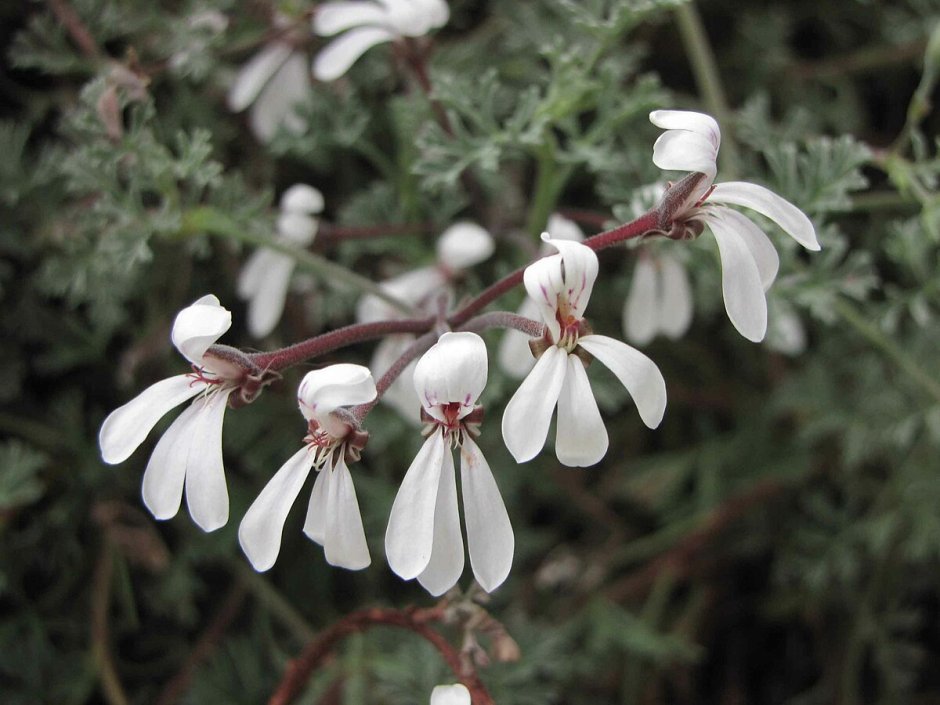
569, 324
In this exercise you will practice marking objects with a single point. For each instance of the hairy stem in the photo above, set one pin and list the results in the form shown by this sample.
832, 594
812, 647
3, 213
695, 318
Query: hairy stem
504, 319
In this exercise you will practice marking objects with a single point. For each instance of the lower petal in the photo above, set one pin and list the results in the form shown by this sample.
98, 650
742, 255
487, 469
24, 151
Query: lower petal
641, 317
580, 435
336, 58
676, 304
166, 470
345, 545
529, 413
446, 564
260, 530
206, 493
489, 532
636, 372
315, 523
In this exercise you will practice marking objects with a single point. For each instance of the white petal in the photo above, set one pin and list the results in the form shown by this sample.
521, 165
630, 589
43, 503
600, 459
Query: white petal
410, 533
198, 326
165, 475
675, 314
127, 426
446, 565
402, 398
489, 532
315, 523
301, 198
761, 248
456, 694
267, 301
323, 391
463, 245
793, 221
740, 279
561, 228
255, 74
698, 123
206, 494
454, 369
296, 229
345, 545
251, 276
580, 435
785, 332
641, 314
529, 412
580, 271
414, 287
636, 372
336, 58
334, 17
275, 107
677, 150
566, 277
260, 530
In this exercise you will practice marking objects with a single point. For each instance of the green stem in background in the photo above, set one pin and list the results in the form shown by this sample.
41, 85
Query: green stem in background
211, 222
876, 337
708, 80
550, 179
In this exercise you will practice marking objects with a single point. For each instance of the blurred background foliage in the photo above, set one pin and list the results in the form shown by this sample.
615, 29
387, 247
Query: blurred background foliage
776, 540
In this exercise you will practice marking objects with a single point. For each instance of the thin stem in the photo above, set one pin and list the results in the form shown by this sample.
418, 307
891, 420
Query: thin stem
278, 360
111, 686
73, 24
897, 355
210, 221
504, 319
550, 179
707, 78
413, 620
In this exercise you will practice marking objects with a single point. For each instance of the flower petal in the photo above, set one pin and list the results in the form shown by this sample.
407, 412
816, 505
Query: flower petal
323, 391
345, 545
162, 488
127, 426
636, 372
793, 221
454, 369
336, 58
206, 493
410, 533
641, 314
675, 313
579, 272
198, 326
489, 531
561, 228
276, 106
529, 412
334, 17
463, 245
580, 435
678, 150
266, 303
446, 565
414, 287
255, 74
741, 284
456, 694
296, 228
302, 198
263, 524
698, 123
317, 507
761, 248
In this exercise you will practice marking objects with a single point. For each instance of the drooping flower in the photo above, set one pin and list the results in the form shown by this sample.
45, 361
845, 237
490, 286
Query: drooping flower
460, 247
456, 694
659, 300
333, 518
273, 82
514, 356
265, 278
190, 452
749, 261
365, 24
423, 539
561, 286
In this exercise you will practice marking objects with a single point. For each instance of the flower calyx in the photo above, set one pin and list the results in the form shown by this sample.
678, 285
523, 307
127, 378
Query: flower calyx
453, 423
237, 369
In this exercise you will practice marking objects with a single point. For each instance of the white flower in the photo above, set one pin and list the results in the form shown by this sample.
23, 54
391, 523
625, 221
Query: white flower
749, 261
660, 298
515, 359
264, 279
190, 452
423, 539
366, 23
561, 286
273, 82
333, 518
456, 694
460, 247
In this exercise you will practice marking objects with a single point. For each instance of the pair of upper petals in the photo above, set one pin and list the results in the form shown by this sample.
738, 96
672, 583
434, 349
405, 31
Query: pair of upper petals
366, 24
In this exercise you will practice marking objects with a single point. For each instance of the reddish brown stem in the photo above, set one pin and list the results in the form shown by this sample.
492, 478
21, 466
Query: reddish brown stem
76, 28
414, 620
418, 347
331, 234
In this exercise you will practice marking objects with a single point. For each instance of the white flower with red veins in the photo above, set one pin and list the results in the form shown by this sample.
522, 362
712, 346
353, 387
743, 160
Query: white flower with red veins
423, 539
365, 24
561, 286
266, 276
190, 452
334, 438
749, 262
